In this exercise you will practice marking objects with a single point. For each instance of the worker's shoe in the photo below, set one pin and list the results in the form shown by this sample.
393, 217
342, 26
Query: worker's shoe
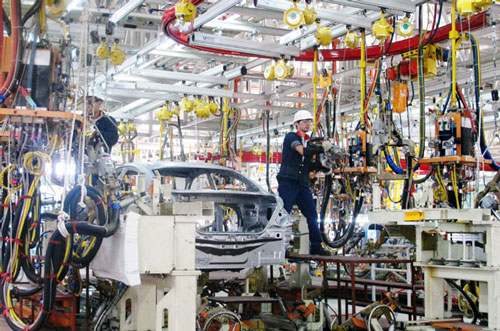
320, 251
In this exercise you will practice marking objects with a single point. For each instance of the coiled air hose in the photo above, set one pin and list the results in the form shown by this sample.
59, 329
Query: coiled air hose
87, 246
340, 238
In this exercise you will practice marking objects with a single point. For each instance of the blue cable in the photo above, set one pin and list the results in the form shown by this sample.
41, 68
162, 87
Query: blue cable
482, 139
393, 165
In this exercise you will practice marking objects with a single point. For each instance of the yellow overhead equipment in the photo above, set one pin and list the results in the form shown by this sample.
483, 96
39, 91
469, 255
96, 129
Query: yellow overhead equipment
175, 109
122, 129
117, 55
279, 70
405, 28
283, 70
430, 56
351, 39
102, 50
185, 10
213, 106
310, 15
468, 8
269, 72
57, 7
294, 17
187, 105
324, 36
382, 29
202, 109
164, 113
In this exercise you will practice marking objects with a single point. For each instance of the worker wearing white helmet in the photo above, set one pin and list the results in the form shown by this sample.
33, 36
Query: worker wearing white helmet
293, 177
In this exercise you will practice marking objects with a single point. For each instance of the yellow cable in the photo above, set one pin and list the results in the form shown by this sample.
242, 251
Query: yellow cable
455, 185
453, 37
438, 178
225, 111
26, 208
349, 188
161, 139
315, 91
362, 65
9, 170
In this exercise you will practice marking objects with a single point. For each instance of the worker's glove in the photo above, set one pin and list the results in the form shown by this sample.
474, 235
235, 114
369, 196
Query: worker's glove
327, 145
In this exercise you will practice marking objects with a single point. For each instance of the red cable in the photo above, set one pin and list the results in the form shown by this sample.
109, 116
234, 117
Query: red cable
15, 43
468, 113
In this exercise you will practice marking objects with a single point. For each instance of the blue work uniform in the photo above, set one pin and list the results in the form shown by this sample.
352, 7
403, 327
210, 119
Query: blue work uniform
293, 183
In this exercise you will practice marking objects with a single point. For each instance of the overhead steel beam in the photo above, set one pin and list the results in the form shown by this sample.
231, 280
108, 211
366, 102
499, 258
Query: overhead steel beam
322, 14
179, 76
145, 95
356, 4
139, 111
271, 108
236, 72
133, 105
244, 46
215, 10
256, 12
245, 27
183, 89
194, 55
402, 5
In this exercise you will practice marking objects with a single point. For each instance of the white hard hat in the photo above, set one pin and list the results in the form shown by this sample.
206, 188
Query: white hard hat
302, 115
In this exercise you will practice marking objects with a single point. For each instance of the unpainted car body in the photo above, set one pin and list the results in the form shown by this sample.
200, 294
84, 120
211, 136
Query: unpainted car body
250, 227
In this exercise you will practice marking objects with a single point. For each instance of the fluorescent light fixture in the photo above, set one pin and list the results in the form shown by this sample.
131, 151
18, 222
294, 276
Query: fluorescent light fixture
244, 46
215, 10
125, 11
179, 76
73, 5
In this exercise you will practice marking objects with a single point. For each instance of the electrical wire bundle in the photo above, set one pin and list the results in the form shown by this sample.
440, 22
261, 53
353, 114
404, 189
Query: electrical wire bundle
75, 242
344, 230
16, 26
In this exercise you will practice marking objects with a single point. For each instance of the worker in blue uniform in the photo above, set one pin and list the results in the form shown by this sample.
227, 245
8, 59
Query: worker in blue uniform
106, 126
293, 177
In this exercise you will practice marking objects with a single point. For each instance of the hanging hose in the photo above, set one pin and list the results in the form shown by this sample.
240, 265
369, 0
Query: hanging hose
32, 11
341, 238
477, 93
56, 267
391, 163
423, 179
179, 129
11, 80
31, 67
85, 248
268, 149
362, 65
421, 93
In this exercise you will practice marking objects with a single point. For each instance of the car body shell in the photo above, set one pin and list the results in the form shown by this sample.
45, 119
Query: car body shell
250, 226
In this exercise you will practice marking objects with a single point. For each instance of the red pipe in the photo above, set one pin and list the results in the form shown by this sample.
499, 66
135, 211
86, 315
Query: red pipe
373, 52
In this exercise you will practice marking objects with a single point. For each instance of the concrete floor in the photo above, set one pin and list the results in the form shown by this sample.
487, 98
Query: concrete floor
3, 325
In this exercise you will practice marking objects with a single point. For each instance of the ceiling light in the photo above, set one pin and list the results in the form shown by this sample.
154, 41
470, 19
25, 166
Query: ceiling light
125, 11
244, 46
